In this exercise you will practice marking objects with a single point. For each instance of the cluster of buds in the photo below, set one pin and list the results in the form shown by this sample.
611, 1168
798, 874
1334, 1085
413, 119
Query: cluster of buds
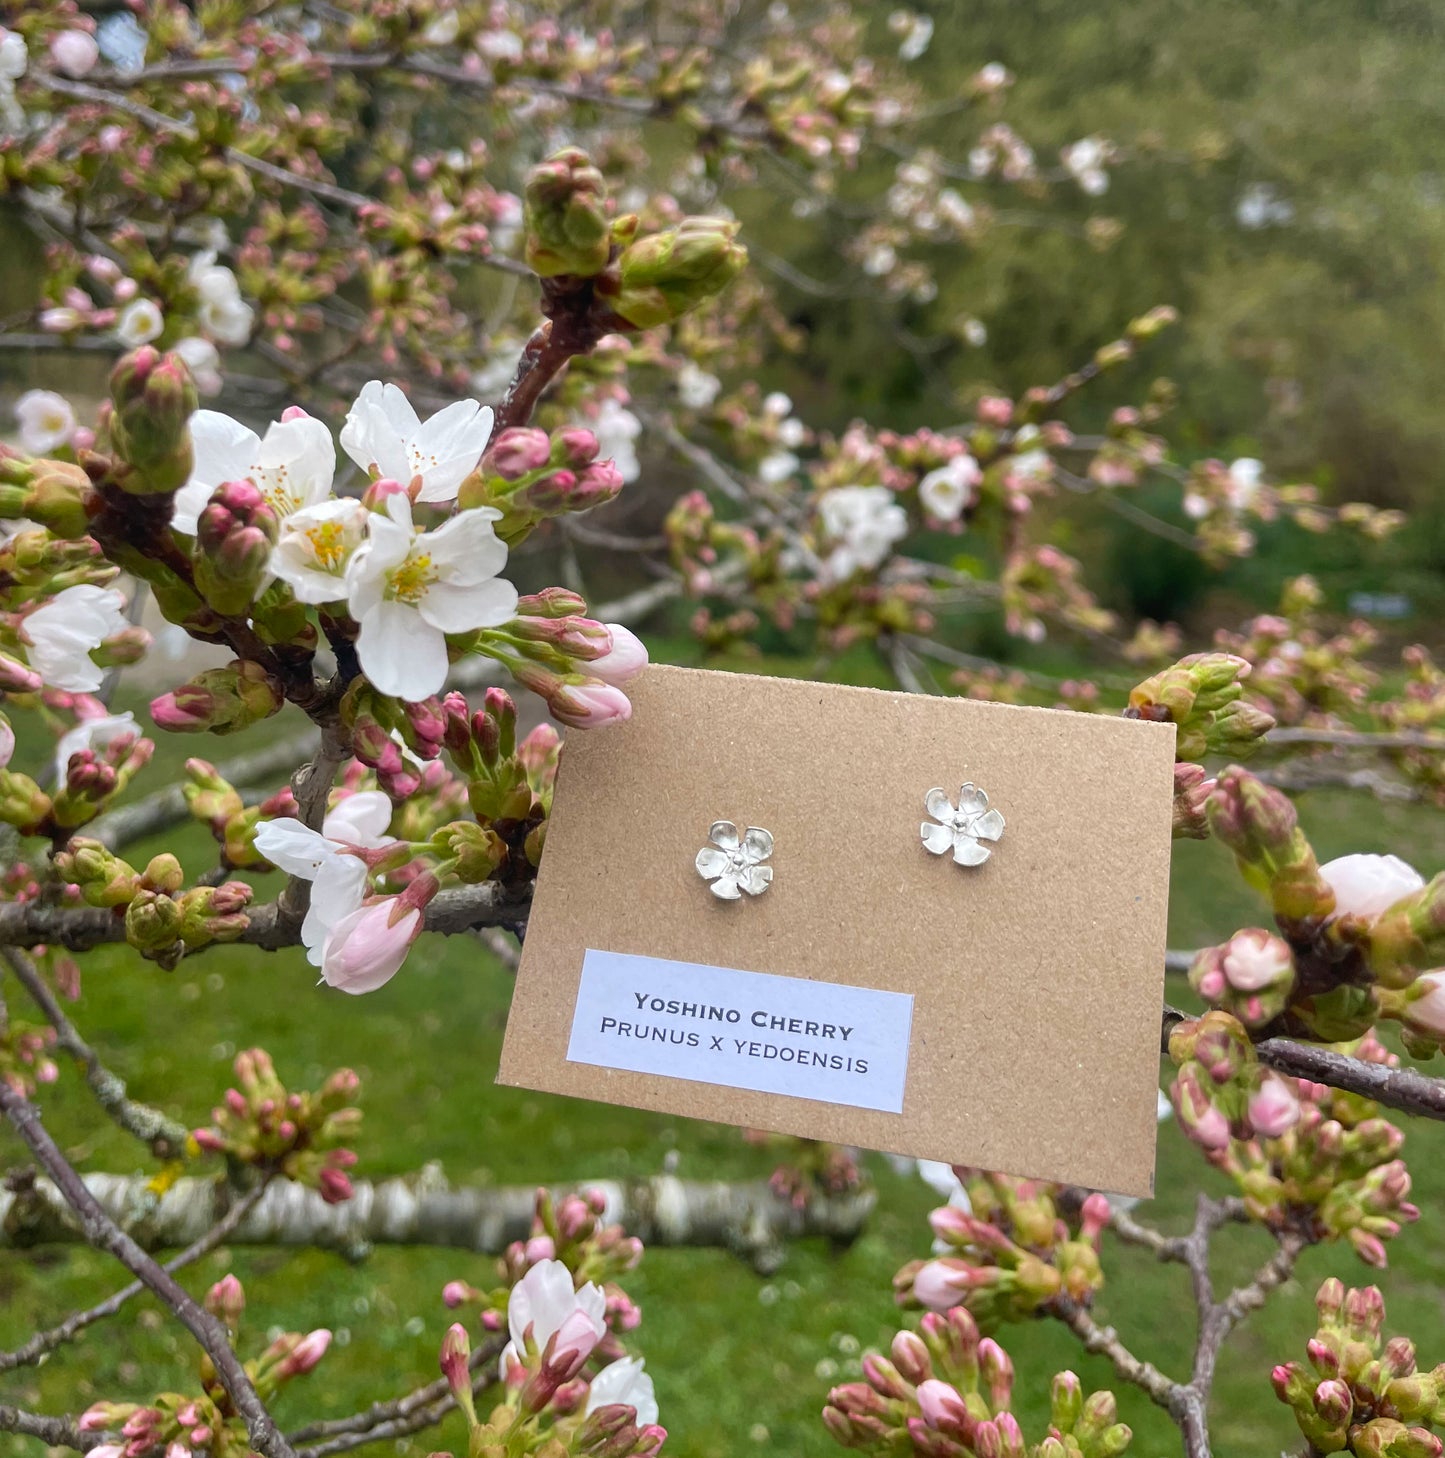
1419, 708
1203, 695
573, 1230
1305, 1157
946, 1393
509, 788
25, 1056
1008, 1255
234, 536
162, 920
1222, 1092
1042, 582
152, 398
218, 805
636, 282
1301, 673
531, 477
1363, 1396
220, 700
396, 740
204, 1424
94, 763
809, 1168
302, 1136
573, 662
1250, 976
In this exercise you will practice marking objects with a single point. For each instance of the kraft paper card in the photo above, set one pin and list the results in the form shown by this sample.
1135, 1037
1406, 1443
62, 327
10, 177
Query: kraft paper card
1003, 1014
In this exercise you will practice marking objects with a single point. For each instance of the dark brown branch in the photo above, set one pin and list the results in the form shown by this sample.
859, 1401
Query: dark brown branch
56, 1431
44, 1342
104, 1234
165, 1137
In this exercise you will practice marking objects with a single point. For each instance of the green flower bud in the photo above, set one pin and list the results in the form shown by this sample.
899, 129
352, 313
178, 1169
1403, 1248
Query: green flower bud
152, 922
565, 216
104, 879
477, 849
221, 700
57, 498
23, 803
662, 277
153, 398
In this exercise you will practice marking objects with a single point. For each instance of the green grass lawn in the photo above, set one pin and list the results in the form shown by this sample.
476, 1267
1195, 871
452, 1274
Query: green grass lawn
742, 1363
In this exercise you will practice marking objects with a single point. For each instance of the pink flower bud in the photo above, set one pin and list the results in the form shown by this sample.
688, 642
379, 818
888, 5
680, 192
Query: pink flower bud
942, 1405
454, 1293
7, 742
590, 705
1366, 885
578, 444
334, 1186
456, 1351
307, 1353
942, 1284
1425, 1012
1274, 1107
226, 1299
518, 452
569, 1347
74, 52
627, 658
1255, 959
540, 1248
365, 949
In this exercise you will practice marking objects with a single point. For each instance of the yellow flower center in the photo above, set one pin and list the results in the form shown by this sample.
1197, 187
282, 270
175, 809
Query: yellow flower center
328, 544
408, 583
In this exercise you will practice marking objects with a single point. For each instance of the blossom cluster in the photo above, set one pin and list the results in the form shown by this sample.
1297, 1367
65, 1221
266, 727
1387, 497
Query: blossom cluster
204, 1423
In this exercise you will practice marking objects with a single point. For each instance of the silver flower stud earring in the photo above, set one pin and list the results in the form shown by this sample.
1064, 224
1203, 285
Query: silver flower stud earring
733, 862
961, 829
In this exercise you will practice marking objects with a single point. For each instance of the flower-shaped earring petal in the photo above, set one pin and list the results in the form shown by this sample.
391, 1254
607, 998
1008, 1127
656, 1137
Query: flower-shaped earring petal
960, 829
733, 862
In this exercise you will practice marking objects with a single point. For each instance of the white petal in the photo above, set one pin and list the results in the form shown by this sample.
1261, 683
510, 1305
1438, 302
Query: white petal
625, 1382
454, 608
223, 449
988, 826
971, 801
969, 852
757, 844
467, 547
304, 449
360, 819
724, 833
401, 653
188, 504
711, 861
543, 1299
937, 838
726, 888
445, 451
294, 847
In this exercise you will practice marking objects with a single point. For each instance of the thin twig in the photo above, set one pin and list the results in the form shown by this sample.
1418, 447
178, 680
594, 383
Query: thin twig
164, 1136
103, 1233
44, 1342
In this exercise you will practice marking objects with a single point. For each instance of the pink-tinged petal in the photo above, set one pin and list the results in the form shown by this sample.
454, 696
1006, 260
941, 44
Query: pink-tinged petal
627, 658
365, 949
401, 653
458, 608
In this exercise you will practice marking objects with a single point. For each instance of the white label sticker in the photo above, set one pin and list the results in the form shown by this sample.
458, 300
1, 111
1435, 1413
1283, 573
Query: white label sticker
780, 1035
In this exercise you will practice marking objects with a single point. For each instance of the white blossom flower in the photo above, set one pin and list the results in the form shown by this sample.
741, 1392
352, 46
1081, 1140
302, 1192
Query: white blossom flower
776, 405
1246, 475
1366, 885
975, 332
864, 522
946, 493
14, 57
315, 546
500, 45
993, 77
733, 862
616, 428
1085, 161
409, 589
139, 323
545, 1304
776, 467
384, 434
916, 32
880, 259
442, 30
61, 634
624, 1381
360, 819
46, 421
203, 360
74, 52
223, 313
338, 879
91, 734
961, 829
292, 466
696, 388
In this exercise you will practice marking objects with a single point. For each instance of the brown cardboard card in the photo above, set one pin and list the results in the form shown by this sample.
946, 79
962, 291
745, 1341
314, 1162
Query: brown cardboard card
1005, 1015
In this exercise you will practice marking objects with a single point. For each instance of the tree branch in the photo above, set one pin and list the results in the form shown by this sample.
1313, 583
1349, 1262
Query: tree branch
165, 1137
1104, 1341
79, 928
45, 1342
423, 1209
56, 1431
103, 1233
